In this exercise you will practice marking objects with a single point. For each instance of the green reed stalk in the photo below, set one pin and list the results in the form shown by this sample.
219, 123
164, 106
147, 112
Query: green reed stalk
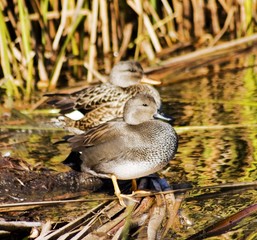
11, 89
154, 4
249, 6
44, 6
26, 40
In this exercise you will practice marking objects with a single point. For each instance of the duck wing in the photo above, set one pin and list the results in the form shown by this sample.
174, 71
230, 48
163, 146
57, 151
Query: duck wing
104, 113
86, 99
96, 135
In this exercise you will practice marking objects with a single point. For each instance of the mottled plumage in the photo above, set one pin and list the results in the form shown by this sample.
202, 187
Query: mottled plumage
127, 148
104, 102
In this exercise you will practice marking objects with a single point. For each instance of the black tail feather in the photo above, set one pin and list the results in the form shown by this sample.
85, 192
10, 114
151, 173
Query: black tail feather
73, 161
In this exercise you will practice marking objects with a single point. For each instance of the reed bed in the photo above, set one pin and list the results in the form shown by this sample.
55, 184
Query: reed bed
46, 44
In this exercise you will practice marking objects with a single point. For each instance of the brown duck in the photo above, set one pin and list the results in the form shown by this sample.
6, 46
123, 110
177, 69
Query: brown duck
97, 104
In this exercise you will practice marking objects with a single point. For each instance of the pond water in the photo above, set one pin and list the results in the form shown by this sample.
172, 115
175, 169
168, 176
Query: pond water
216, 119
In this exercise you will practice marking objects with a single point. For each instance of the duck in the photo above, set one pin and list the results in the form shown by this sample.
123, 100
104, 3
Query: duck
97, 104
137, 145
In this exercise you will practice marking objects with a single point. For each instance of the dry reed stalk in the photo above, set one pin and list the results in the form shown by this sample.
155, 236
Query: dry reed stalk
105, 35
150, 29
51, 15
140, 38
158, 23
45, 228
127, 33
198, 16
171, 24
187, 26
78, 9
156, 219
212, 6
232, 25
119, 18
11, 18
46, 38
147, 49
61, 26
225, 27
85, 37
241, 21
61, 55
19, 225
178, 12
173, 205
93, 33
37, 8
209, 52
77, 222
56, 72
95, 73
151, 11
76, 44
115, 42
43, 76
52, 25
225, 5
166, 36
137, 7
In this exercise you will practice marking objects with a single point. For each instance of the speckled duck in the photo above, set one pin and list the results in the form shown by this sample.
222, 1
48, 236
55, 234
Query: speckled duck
128, 148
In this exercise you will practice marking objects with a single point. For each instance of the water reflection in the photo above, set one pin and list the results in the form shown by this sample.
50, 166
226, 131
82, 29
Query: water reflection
216, 156
35, 146
216, 118
209, 154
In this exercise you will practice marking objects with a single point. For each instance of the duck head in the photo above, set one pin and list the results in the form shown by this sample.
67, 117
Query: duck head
128, 73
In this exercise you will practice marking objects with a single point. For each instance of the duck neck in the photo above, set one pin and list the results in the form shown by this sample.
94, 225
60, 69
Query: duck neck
135, 118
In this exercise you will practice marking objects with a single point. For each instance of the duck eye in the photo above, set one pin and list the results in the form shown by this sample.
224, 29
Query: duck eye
145, 105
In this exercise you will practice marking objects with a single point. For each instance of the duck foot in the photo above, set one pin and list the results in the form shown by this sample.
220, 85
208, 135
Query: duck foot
129, 198
126, 200
122, 197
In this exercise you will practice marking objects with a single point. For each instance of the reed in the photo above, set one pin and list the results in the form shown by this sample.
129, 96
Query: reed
39, 38
6, 56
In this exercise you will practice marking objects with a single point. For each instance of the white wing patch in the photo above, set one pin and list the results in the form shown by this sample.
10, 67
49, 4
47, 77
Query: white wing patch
75, 115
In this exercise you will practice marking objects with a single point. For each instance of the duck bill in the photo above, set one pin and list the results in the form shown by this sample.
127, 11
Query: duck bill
150, 81
162, 117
